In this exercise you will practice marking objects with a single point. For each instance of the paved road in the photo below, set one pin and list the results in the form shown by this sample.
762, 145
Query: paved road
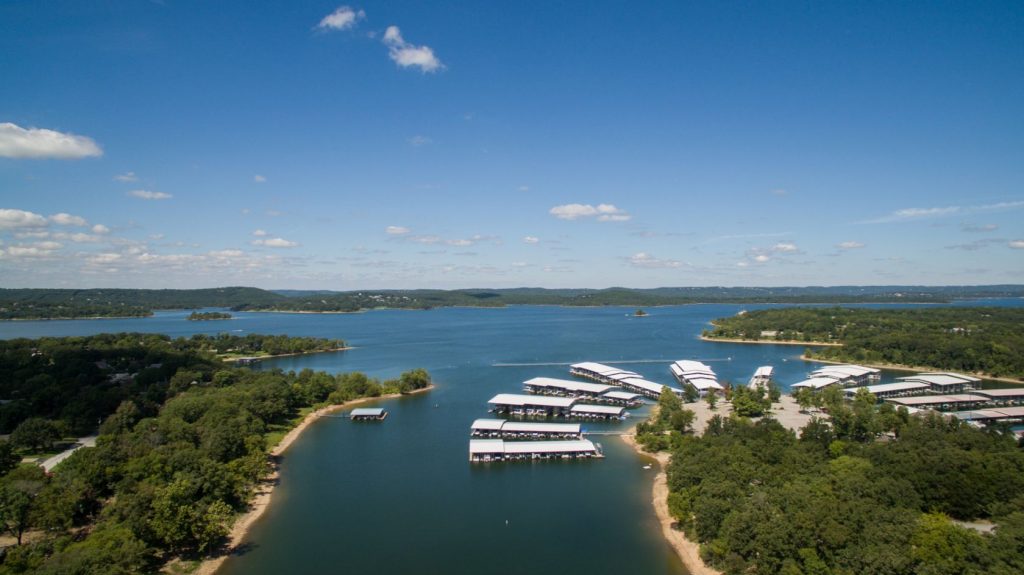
52, 462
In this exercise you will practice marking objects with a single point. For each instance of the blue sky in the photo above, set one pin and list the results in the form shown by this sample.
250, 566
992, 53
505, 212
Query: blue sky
456, 144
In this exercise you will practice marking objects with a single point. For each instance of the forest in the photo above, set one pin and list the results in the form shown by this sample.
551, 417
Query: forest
207, 315
178, 455
869, 490
983, 340
83, 303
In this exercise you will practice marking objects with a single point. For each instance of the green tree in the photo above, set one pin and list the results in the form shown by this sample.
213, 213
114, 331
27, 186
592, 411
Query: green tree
35, 434
18, 492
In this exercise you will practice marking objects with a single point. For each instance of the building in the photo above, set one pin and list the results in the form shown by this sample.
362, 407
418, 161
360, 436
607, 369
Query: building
696, 375
816, 383
647, 388
944, 382
598, 412
887, 390
848, 374
532, 405
505, 429
762, 377
368, 414
565, 388
963, 401
483, 450
1012, 396
599, 372
623, 398
993, 415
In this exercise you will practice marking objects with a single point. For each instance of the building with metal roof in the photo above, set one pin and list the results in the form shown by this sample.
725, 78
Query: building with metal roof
944, 382
1010, 396
762, 377
599, 372
505, 429
564, 387
816, 383
848, 374
587, 411
367, 414
482, 450
942, 402
695, 374
887, 390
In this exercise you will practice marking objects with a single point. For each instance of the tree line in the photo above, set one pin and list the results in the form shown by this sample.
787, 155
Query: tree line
166, 477
987, 340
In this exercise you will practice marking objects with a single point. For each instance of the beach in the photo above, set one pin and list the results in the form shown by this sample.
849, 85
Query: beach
265, 490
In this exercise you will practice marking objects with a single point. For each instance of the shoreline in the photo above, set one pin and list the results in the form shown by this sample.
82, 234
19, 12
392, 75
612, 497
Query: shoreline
919, 369
687, 551
261, 357
765, 342
264, 491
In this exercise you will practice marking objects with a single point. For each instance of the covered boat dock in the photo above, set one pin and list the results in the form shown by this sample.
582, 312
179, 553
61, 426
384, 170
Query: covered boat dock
504, 429
483, 450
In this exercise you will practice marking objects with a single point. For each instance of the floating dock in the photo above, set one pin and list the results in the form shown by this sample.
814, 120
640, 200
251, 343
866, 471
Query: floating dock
942, 402
620, 378
995, 414
697, 375
596, 392
484, 450
762, 377
548, 406
368, 414
504, 429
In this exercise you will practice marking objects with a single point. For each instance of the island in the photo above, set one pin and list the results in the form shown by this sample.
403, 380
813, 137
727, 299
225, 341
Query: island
185, 444
208, 316
985, 341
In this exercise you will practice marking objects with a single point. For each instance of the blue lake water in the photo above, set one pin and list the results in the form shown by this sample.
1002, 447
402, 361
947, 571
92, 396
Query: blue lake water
400, 496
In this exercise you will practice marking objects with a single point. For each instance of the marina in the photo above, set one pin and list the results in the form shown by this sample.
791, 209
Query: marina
368, 414
487, 450
549, 406
762, 377
505, 429
625, 379
696, 375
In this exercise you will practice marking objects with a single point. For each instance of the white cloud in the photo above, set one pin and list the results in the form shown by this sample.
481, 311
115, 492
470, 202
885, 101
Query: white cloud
761, 258
851, 245
785, 247
104, 258
259, 233
275, 243
980, 229
48, 246
417, 141
100, 229
531, 239
127, 177
524, 188
343, 18
396, 230
405, 54
1017, 244
148, 195
13, 219
914, 214
603, 212
259, 179
460, 243
39, 143
64, 219
645, 260
227, 253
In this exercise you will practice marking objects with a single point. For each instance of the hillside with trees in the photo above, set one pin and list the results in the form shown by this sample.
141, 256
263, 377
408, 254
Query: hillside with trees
983, 340
179, 453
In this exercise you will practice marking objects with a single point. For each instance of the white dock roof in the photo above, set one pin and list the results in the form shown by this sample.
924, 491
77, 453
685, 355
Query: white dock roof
704, 383
815, 382
530, 427
600, 368
1000, 393
568, 385
940, 379
623, 395
938, 399
642, 383
486, 446
488, 424
542, 400
598, 409
496, 446
764, 371
888, 387
367, 412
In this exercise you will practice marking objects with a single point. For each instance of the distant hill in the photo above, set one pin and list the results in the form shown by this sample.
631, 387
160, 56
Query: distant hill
78, 303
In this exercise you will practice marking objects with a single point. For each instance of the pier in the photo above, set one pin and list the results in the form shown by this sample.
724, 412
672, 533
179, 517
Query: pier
485, 450
596, 392
504, 429
368, 414
548, 406
614, 376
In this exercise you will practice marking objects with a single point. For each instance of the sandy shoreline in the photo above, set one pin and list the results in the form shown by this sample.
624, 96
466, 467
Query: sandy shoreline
688, 551
265, 490
766, 342
236, 359
917, 369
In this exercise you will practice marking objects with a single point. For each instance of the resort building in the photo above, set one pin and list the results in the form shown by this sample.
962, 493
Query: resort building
696, 375
762, 377
944, 382
963, 401
505, 429
368, 414
481, 450
887, 390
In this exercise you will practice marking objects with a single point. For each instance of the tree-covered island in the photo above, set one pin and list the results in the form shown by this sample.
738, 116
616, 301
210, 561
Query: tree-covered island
208, 315
183, 442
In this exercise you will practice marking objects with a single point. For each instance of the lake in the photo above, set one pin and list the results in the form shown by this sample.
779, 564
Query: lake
400, 496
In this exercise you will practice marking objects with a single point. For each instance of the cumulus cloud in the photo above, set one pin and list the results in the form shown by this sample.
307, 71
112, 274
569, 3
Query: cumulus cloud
275, 243
259, 233
396, 230
15, 219
915, 214
148, 195
602, 212
227, 253
127, 177
645, 260
39, 143
850, 245
344, 18
1017, 244
405, 54
531, 239
63, 219
100, 229
785, 247
761, 258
